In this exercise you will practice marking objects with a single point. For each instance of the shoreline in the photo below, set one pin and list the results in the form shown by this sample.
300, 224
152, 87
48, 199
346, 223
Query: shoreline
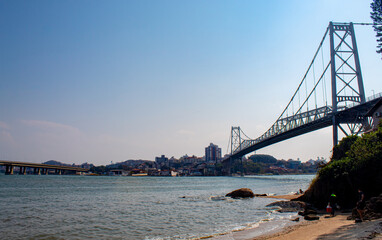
285, 197
263, 227
337, 227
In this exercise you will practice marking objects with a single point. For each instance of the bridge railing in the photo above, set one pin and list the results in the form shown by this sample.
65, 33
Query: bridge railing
286, 124
368, 99
289, 123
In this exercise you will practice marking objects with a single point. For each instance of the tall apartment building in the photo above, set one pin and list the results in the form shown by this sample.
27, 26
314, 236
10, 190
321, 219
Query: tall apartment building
213, 153
161, 161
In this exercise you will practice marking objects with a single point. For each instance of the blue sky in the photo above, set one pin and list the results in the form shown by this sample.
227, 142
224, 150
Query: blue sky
100, 81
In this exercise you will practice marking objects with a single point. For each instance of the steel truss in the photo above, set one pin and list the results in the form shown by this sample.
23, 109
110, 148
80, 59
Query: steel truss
349, 105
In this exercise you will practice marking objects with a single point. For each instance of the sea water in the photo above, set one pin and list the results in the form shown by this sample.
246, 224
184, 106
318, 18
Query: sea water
95, 207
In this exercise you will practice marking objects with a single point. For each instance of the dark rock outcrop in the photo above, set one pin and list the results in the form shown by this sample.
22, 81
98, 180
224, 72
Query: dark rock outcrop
373, 209
310, 217
241, 193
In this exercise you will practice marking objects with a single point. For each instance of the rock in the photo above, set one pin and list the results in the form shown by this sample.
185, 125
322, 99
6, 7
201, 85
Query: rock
292, 206
241, 193
282, 210
295, 219
311, 217
261, 195
307, 212
310, 211
373, 209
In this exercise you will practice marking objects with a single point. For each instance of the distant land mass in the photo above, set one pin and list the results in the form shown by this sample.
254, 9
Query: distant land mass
198, 166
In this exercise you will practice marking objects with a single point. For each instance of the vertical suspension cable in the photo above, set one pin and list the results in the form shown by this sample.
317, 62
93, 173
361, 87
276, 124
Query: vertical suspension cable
306, 96
229, 141
293, 107
314, 82
325, 100
299, 100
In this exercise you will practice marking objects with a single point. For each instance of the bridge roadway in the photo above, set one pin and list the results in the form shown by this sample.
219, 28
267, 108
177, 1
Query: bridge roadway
38, 168
355, 114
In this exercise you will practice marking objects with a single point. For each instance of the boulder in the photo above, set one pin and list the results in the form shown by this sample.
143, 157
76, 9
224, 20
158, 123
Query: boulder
310, 211
307, 211
241, 193
295, 219
311, 217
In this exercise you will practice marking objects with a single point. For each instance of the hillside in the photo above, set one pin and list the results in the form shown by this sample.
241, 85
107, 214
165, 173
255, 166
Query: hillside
356, 163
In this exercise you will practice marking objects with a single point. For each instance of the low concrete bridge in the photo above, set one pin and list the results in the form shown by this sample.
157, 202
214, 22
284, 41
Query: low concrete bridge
38, 168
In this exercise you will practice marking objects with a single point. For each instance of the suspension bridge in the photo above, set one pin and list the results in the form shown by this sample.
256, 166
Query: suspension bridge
331, 93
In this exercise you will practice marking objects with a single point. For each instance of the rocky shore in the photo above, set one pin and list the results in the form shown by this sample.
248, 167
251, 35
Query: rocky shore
317, 224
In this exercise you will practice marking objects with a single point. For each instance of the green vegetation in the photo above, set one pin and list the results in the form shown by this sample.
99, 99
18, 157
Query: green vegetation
376, 15
356, 163
266, 164
263, 158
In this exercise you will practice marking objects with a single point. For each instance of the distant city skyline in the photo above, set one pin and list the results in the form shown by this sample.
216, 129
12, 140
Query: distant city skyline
101, 81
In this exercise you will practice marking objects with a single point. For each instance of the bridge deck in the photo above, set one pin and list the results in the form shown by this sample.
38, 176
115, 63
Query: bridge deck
40, 165
354, 114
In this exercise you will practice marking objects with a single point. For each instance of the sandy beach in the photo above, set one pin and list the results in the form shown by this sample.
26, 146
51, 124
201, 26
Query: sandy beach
330, 228
326, 227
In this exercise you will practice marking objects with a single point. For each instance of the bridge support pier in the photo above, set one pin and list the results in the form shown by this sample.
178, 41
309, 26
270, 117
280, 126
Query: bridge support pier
57, 171
8, 170
37, 171
22, 170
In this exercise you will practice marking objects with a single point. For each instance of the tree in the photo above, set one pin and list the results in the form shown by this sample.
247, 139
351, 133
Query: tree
376, 15
340, 150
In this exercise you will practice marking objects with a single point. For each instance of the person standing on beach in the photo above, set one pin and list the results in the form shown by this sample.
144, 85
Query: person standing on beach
333, 203
360, 204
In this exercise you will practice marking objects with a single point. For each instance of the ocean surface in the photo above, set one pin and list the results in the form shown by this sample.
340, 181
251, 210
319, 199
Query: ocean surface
91, 207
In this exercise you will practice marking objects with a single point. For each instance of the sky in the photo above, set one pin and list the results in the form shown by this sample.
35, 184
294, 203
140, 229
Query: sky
107, 81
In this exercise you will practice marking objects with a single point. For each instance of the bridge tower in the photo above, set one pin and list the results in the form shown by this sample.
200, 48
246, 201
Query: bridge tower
346, 77
235, 139
236, 144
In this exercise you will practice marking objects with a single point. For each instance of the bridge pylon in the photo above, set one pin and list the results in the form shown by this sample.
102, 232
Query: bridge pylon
236, 139
236, 145
346, 76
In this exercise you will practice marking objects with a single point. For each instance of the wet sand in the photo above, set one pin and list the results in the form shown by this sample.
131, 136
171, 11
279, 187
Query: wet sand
285, 197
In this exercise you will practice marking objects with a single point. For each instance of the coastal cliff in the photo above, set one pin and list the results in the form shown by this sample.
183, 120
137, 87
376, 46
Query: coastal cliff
356, 163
